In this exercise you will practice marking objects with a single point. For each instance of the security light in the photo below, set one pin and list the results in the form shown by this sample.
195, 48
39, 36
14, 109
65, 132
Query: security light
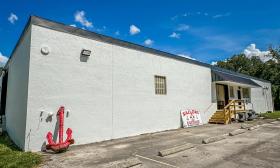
85, 52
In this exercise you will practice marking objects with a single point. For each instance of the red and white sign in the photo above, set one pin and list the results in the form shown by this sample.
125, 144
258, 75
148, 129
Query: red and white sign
191, 118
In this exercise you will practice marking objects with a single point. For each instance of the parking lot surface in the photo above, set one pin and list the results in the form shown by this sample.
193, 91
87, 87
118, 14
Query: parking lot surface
256, 148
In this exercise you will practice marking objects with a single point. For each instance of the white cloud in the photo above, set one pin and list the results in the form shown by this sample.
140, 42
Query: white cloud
221, 15
186, 56
81, 18
3, 60
73, 25
117, 33
101, 29
194, 14
252, 51
12, 18
214, 62
134, 30
175, 35
148, 42
182, 27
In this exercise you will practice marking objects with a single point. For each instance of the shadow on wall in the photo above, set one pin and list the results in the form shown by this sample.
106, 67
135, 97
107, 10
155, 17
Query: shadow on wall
83, 58
181, 121
55, 132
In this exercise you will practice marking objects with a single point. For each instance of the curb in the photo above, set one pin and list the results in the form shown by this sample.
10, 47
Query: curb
176, 149
245, 126
266, 124
254, 127
274, 122
236, 132
125, 163
213, 139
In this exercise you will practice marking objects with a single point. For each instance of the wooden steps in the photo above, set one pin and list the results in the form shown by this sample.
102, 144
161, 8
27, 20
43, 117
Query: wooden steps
225, 115
218, 118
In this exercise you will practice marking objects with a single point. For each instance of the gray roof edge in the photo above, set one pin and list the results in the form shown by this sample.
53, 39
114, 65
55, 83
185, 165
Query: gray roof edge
235, 78
215, 68
39, 21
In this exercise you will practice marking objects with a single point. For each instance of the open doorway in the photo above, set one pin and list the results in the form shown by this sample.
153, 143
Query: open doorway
222, 95
3, 96
239, 94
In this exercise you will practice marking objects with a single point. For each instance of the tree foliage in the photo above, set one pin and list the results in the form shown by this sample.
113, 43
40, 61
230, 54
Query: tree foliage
269, 70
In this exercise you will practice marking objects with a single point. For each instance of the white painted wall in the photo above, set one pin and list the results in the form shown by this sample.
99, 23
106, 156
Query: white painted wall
17, 92
261, 98
111, 95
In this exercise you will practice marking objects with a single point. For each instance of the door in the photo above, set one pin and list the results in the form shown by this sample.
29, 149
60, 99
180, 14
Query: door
222, 95
239, 94
226, 94
3, 95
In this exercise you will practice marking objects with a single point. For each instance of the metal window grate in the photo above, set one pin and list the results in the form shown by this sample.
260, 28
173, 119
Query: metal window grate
160, 85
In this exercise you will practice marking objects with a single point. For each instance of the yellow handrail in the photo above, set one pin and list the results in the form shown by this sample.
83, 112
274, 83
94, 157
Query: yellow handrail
228, 110
229, 104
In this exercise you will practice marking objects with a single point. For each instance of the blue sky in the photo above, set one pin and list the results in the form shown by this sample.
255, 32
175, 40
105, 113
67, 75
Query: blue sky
204, 30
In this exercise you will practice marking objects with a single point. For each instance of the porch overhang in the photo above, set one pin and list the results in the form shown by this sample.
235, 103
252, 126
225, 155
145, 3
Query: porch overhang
226, 78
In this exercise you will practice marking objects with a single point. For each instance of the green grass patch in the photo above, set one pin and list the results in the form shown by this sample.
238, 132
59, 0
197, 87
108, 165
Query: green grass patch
273, 115
12, 157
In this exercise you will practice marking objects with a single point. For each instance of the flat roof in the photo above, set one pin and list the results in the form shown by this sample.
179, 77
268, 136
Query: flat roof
57, 26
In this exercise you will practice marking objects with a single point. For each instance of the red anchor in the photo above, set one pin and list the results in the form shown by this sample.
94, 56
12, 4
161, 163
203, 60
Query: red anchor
60, 146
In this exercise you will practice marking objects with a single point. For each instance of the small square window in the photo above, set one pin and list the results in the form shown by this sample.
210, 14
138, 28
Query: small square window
160, 85
231, 92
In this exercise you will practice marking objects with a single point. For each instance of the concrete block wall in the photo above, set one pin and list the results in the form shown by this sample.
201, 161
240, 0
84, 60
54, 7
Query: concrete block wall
112, 94
261, 97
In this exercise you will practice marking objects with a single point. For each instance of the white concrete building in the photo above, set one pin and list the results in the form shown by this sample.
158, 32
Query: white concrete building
122, 89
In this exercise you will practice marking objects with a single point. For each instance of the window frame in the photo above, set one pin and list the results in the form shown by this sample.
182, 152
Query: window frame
160, 85
249, 96
231, 92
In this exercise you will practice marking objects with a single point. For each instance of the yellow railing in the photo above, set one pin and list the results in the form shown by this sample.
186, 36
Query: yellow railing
231, 108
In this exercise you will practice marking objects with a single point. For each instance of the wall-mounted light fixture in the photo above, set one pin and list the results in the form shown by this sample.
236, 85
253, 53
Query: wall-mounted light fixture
85, 53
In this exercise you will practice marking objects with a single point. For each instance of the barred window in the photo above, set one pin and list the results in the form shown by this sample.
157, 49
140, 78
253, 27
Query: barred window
160, 85
246, 92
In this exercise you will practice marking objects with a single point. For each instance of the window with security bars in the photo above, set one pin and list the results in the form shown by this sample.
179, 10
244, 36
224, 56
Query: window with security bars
246, 92
160, 85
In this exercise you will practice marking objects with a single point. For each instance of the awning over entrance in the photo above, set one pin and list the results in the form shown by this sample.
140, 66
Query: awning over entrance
227, 78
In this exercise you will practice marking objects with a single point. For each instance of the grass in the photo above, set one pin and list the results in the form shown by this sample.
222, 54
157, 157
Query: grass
12, 157
273, 115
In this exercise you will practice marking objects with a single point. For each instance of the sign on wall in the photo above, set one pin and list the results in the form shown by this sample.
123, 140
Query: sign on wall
191, 118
